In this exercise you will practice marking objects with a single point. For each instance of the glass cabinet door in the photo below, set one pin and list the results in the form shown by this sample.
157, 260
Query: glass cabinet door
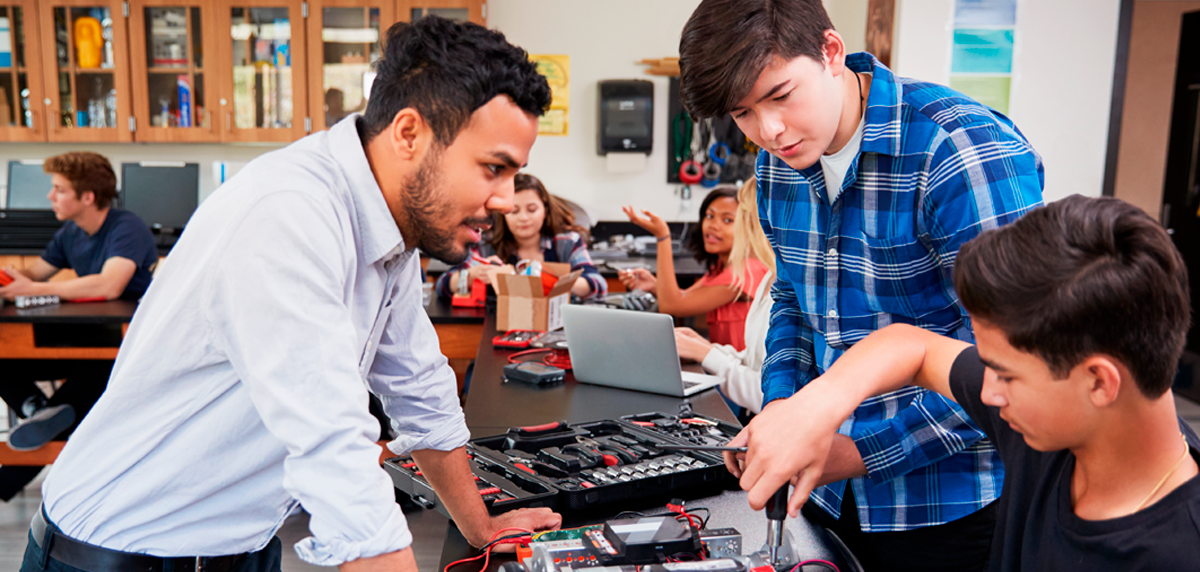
345, 41
173, 73
22, 112
462, 10
263, 93
89, 77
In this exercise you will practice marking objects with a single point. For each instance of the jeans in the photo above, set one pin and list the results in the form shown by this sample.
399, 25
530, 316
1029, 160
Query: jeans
265, 560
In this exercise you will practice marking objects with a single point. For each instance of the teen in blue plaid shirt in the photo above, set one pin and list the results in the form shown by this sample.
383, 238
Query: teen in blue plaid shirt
868, 185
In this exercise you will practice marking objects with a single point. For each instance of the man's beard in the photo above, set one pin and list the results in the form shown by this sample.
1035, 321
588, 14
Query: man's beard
428, 213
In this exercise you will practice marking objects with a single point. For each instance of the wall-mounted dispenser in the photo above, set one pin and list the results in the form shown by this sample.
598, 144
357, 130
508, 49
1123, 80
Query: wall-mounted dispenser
626, 116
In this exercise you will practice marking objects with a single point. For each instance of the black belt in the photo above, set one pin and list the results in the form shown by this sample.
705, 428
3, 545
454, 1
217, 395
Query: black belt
98, 559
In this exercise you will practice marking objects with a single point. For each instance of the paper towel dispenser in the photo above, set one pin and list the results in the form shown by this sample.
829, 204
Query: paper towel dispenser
626, 116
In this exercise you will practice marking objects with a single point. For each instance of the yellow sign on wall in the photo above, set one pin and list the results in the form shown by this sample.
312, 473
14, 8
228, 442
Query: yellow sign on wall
557, 70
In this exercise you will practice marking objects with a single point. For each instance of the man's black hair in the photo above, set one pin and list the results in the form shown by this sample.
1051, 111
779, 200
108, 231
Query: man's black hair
1083, 276
446, 70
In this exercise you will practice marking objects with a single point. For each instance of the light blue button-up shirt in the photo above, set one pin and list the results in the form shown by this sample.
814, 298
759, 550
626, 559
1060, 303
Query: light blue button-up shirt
241, 389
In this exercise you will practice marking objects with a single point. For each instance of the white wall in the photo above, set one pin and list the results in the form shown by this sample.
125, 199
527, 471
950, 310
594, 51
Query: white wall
605, 39
1062, 88
1062, 78
849, 18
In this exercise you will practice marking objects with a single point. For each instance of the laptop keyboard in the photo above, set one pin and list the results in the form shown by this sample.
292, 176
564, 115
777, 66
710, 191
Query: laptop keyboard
689, 383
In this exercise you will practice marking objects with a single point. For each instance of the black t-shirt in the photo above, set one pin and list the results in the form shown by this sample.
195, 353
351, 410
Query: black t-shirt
122, 234
1036, 528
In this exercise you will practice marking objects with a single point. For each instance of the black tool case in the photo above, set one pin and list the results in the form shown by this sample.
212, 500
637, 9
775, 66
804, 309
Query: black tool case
578, 467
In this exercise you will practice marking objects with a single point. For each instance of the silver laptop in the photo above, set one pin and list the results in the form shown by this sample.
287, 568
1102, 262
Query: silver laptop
629, 350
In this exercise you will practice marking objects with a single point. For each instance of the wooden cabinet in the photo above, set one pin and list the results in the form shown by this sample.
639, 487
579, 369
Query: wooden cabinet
344, 39
189, 71
22, 86
263, 79
172, 52
463, 10
85, 54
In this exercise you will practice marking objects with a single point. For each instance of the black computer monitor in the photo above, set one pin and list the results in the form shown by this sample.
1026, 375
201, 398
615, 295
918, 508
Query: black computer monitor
28, 186
163, 195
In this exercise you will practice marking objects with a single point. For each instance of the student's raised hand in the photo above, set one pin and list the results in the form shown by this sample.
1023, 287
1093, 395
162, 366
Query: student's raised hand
638, 279
649, 221
788, 442
691, 345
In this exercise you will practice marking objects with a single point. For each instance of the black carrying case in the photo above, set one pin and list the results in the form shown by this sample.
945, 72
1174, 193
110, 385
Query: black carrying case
551, 479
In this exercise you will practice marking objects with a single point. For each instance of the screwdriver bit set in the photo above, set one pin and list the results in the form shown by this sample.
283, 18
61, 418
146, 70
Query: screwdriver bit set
578, 467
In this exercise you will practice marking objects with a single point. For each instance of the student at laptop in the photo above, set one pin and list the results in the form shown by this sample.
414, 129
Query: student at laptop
715, 294
1080, 312
740, 370
540, 227
112, 252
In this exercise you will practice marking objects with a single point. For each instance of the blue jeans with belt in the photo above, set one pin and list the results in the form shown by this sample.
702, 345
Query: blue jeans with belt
265, 560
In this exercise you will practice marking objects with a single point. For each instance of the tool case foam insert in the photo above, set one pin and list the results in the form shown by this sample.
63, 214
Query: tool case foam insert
572, 468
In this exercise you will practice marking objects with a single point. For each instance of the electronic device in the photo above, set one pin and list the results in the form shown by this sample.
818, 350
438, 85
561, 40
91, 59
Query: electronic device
641, 540
626, 116
534, 372
644, 344
574, 468
28, 186
163, 194
28, 229
518, 339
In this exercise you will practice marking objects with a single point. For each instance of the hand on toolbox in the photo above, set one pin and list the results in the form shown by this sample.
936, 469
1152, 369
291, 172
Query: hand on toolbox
449, 474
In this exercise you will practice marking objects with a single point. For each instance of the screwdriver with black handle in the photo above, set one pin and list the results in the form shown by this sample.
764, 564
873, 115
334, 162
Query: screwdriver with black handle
776, 513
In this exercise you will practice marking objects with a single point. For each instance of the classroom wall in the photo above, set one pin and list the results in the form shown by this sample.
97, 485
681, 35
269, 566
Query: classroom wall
1062, 78
605, 41
1149, 95
1064, 111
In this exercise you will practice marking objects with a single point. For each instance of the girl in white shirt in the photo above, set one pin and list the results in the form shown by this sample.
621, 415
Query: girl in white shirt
741, 371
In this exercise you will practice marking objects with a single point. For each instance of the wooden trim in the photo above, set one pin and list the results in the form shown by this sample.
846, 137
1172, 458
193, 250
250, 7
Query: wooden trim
120, 72
881, 18
474, 8
16, 342
1117, 105
140, 74
316, 48
31, 44
42, 456
459, 341
224, 114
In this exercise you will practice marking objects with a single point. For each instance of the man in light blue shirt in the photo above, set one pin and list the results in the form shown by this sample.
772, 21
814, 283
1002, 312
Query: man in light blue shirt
240, 392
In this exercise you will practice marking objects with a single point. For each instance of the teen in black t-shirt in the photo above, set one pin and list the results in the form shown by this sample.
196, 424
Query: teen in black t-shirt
1080, 312
1035, 525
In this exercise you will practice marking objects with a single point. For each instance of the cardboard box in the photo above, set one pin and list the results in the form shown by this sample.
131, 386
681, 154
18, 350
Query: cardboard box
521, 304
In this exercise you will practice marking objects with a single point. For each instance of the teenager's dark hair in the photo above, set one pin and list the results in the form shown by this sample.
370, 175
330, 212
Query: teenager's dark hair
695, 237
446, 70
559, 217
1079, 277
87, 171
727, 43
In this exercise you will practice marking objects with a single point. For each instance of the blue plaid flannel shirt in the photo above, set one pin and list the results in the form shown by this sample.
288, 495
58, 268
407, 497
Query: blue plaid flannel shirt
935, 169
